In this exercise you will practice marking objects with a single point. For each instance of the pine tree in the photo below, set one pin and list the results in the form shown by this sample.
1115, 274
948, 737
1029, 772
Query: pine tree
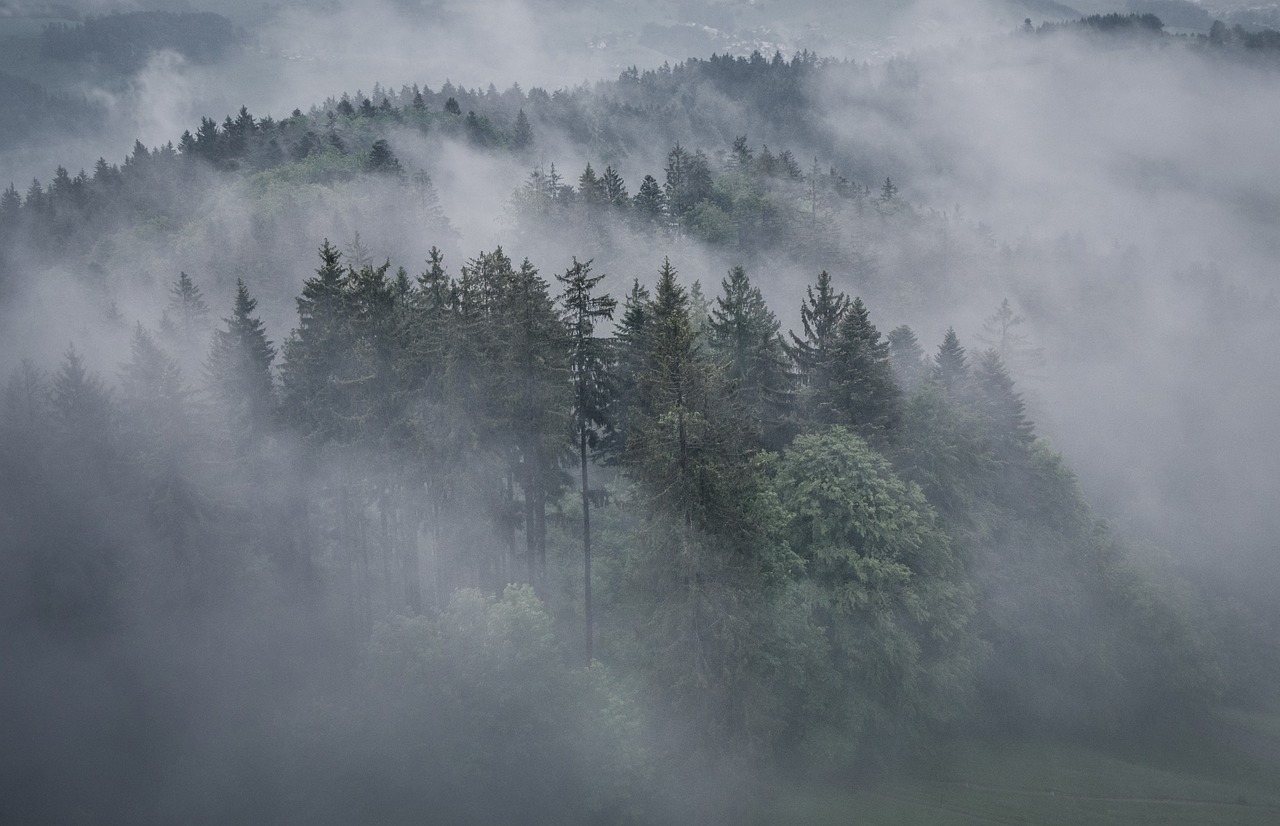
10, 207
522, 136
382, 160
592, 384
907, 358
615, 190
238, 369
1000, 332
631, 351
744, 338
534, 358
590, 189
1002, 406
950, 367
650, 202
863, 392
315, 347
820, 317
188, 313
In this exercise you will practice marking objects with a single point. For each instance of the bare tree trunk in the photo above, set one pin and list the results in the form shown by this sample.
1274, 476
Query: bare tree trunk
586, 543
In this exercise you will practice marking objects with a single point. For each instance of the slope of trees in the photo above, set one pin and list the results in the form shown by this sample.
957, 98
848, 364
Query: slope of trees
771, 584
454, 541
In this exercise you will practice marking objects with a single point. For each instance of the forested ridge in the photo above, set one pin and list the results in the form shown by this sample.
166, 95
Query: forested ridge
486, 537
820, 548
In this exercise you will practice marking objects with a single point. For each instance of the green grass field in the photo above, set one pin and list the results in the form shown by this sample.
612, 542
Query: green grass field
1203, 779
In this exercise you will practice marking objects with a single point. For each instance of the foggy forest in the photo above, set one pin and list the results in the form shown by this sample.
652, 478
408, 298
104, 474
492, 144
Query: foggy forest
672, 411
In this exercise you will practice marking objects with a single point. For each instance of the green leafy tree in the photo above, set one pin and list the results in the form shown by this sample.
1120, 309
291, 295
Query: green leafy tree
886, 587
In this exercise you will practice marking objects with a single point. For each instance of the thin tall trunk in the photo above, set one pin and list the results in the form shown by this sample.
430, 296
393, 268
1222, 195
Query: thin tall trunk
586, 540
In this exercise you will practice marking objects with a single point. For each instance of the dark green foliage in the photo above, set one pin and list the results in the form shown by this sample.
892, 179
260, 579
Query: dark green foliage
615, 190
650, 202
862, 394
814, 354
996, 399
589, 362
688, 180
383, 160
1109, 23
744, 339
884, 586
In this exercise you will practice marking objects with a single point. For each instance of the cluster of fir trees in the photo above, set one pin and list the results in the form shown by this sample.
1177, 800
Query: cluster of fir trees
754, 201
823, 541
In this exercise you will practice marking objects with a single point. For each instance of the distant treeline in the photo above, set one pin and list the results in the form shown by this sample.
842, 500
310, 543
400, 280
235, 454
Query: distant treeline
127, 40
29, 110
1220, 34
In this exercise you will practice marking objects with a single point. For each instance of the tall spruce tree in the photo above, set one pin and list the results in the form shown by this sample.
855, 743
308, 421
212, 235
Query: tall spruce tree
951, 366
315, 347
238, 369
744, 339
188, 312
907, 358
820, 317
864, 394
589, 362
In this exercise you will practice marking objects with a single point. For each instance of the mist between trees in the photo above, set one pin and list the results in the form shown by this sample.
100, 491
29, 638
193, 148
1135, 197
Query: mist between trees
820, 549
488, 540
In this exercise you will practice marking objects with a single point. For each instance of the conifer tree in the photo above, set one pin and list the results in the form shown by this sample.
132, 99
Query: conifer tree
187, 312
590, 188
906, 356
863, 392
592, 384
534, 345
650, 202
744, 339
950, 366
615, 190
315, 347
522, 136
238, 369
81, 404
820, 317
630, 351
1001, 405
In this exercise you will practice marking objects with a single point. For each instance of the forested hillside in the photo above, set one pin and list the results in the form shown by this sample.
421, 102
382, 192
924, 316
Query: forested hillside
685, 480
